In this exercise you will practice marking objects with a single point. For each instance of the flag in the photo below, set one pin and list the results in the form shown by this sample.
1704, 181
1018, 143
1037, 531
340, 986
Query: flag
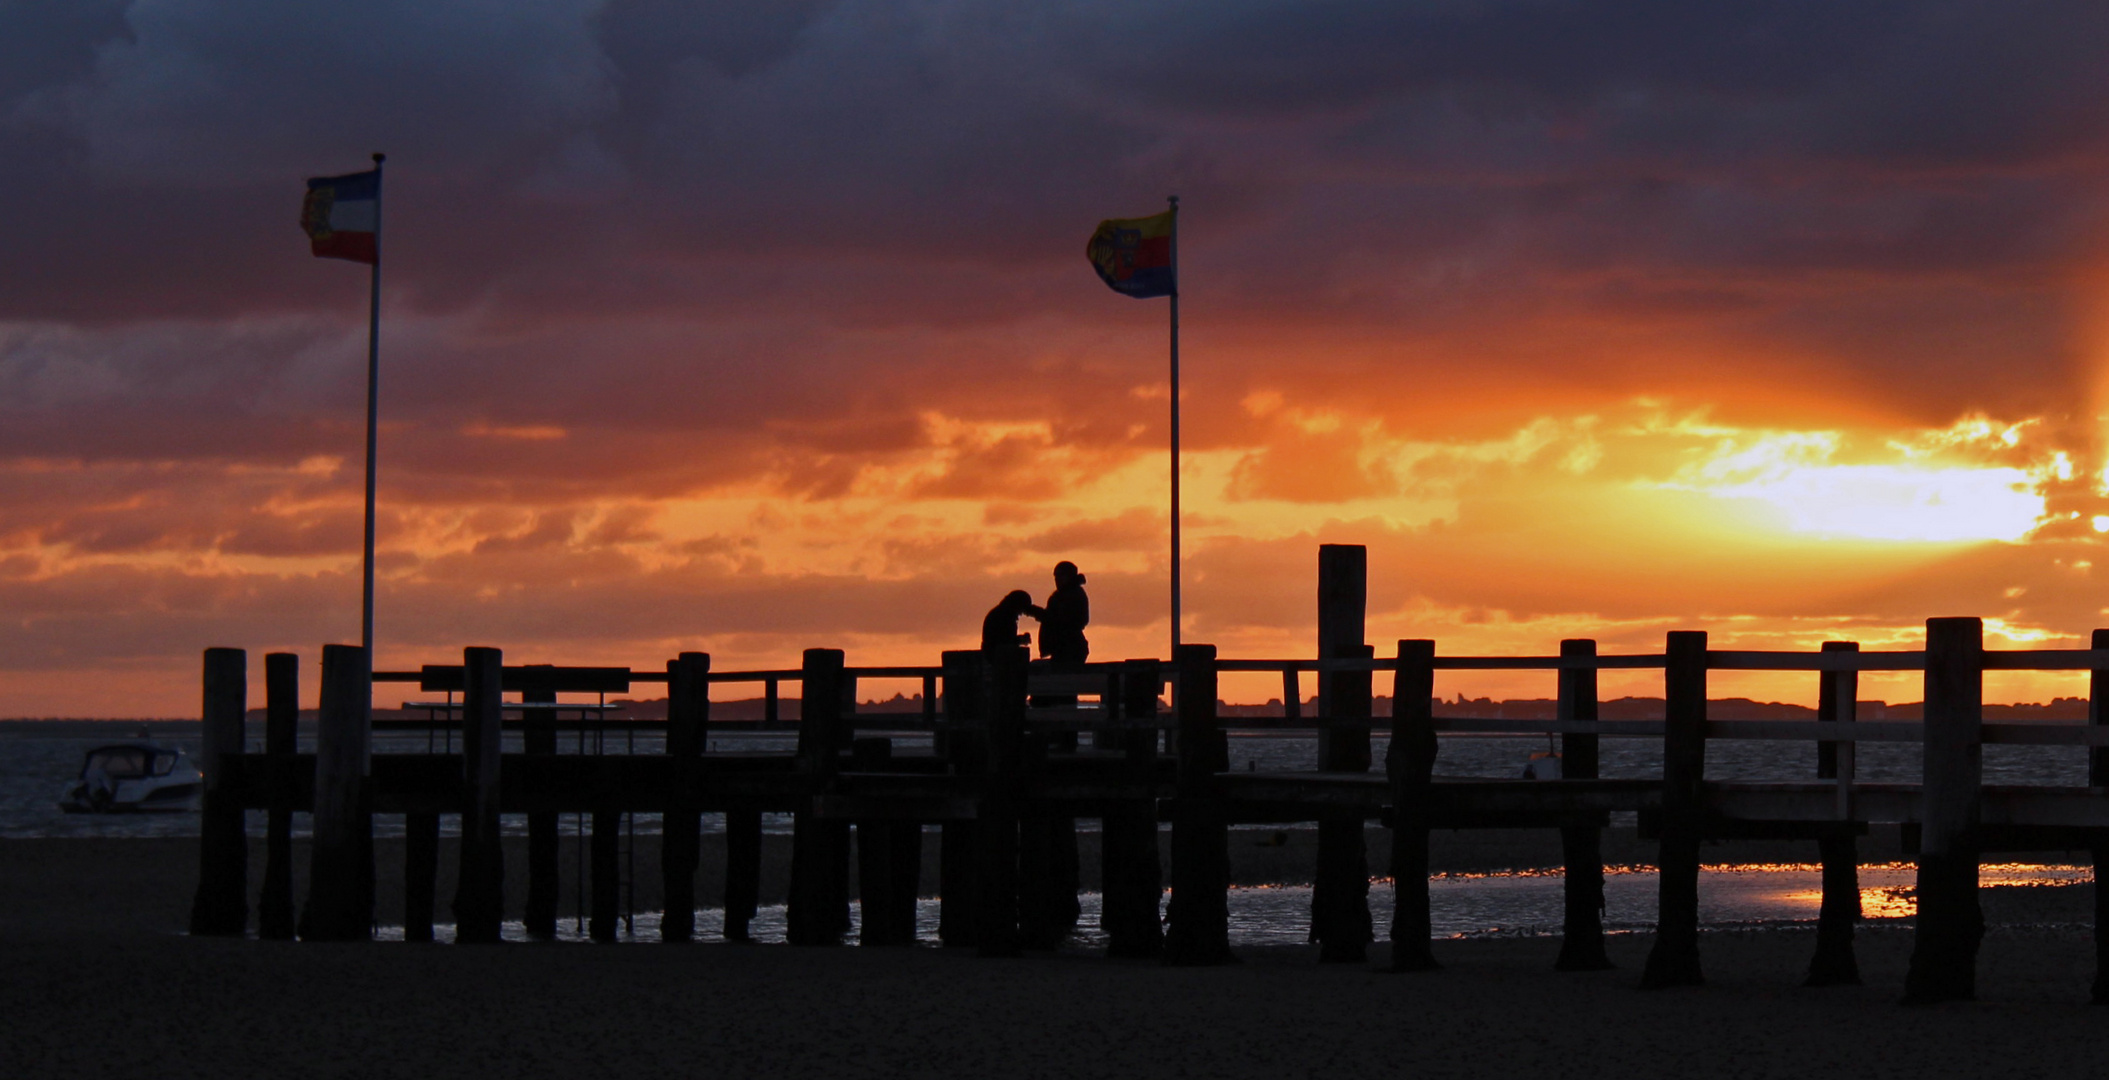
341, 214
1134, 255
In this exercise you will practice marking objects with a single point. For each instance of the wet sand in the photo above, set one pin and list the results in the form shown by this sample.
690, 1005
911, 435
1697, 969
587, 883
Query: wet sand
99, 981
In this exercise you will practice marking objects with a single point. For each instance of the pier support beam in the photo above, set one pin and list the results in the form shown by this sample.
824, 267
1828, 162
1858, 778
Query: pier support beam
1674, 961
221, 904
1950, 922
1340, 921
1834, 963
962, 743
1581, 845
1130, 869
996, 829
819, 902
680, 852
2098, 776
1409, 763
1198, 917
539, 736
743, 871
275, 918
340, 867
479, 894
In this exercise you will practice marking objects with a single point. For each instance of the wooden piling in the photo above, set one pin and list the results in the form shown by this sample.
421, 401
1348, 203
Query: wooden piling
819, 896
882, 921
743, 870
687, 719
420, 874
1340, 920
604, 868
1409, 763
996, 829
1950, 922
1198, 916
221, 904
538, 736
1834, 963
275, 916
966, 755
2098, 778
1131, 871
1581, 843
479, 894
1674, 961
340, 865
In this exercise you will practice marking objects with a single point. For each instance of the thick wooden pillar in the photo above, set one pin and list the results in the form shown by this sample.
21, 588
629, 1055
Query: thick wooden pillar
1834, 963
340, 867
1198, 917
275, 918
680, 851
604, 868
819, 901
2098, 777
221, 903
1130, 870
966, 755
1340, 920
1409, 764
1674, 961
1950, 922
538, 735
420, 874
1581, 844
479, 894
743, 871
996, 828
878, 893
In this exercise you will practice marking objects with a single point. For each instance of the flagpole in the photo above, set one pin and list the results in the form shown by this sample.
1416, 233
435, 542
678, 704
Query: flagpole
1176, 575
373, 409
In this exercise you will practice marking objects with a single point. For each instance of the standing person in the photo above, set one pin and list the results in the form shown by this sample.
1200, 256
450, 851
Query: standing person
1062, 622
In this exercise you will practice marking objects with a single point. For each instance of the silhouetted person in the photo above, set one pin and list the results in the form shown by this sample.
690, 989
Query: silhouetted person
999, 628
1062, 622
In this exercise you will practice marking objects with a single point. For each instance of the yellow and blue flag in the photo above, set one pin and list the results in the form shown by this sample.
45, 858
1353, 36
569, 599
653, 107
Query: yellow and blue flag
1134, 255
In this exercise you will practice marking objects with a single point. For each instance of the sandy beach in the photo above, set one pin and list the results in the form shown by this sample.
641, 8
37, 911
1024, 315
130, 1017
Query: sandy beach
102, 982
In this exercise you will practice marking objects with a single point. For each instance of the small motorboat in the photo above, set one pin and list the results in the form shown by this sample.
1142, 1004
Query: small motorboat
1542, 765
135, 776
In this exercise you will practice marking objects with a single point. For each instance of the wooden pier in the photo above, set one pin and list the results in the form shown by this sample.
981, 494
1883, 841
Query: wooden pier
1005, 781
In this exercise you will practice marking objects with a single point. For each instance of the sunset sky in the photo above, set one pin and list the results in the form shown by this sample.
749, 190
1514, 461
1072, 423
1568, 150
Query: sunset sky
768, 326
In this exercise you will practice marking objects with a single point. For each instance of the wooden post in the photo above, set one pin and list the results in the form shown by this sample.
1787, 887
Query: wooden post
604, 866
1834, 963
743, 870
1130, 870
996, 831
340, 865
966, 755
819, 901
420, 874
1581, 845
479, 894
1409, 764
1198, 930
1340, 920
1950, 922
275, 918
1674, 961
878, 894
221, 904
538, 736
2098, 777
680, 852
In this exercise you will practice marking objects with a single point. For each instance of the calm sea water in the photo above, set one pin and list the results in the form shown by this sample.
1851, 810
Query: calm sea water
38, 759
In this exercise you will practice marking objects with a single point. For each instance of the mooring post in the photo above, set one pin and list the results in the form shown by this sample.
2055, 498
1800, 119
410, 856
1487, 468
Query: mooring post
538, 736
479, 894
1674, 961
743, 870
1409, 764
1581, 843
221, 904
878, 894
996, 831
1130, 869
2098, 777
680, 851
966, 755
819, 902
275, 918
1198, 916
1834, 963
1950, 922
340, 866
1340, 920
